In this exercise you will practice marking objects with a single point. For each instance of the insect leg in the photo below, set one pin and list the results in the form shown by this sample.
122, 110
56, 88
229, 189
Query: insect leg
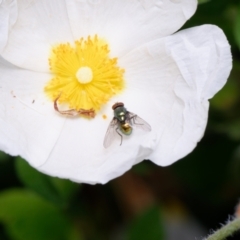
55, 103
72, 112
119, 135
87, 113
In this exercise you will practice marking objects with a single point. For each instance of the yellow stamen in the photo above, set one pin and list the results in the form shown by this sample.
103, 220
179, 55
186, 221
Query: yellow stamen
84, 75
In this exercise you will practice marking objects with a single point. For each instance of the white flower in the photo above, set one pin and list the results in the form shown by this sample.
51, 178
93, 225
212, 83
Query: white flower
165, 79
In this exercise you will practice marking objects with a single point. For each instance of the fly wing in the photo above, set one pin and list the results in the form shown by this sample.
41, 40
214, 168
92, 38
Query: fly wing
111, 132
135, 120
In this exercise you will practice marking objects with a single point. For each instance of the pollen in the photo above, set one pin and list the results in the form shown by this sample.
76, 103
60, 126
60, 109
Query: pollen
84, 76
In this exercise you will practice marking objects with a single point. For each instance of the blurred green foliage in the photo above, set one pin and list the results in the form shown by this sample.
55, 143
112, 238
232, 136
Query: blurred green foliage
148, 202
147, 225
27, 216
202, 1
57, 190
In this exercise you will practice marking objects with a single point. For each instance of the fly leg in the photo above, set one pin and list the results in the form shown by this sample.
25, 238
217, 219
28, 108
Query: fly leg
119, 134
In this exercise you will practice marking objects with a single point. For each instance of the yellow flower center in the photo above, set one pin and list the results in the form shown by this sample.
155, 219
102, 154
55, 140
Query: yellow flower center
84, 76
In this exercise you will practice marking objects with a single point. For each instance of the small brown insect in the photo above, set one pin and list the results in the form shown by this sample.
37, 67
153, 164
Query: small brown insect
73, 112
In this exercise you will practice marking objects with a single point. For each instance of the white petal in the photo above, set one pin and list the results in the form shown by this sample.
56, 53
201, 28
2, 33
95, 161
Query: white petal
126, 24
79, 153
178, 74
204, 58
8, 17
68, 148
158, 90
29, 127
40, 25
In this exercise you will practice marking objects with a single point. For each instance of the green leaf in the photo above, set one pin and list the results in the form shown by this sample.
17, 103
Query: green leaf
4, 157
203, 1
65, 188
227, 97
237, 28
143, 168
147, 226
27, 216
56, 190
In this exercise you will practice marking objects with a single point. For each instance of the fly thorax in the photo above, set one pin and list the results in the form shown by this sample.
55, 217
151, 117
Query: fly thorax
120, 113
121, 118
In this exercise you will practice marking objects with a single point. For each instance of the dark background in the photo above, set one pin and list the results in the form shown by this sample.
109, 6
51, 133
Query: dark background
181, 202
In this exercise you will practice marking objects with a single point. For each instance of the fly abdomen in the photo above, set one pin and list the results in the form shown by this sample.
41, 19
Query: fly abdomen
126, 128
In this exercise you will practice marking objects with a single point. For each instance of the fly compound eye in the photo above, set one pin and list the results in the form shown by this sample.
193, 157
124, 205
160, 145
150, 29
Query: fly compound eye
117, 104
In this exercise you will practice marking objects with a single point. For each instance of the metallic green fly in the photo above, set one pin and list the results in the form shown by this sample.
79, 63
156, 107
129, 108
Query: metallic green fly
122, 123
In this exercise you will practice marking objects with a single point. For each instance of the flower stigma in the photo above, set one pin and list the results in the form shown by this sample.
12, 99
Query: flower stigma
84, 76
